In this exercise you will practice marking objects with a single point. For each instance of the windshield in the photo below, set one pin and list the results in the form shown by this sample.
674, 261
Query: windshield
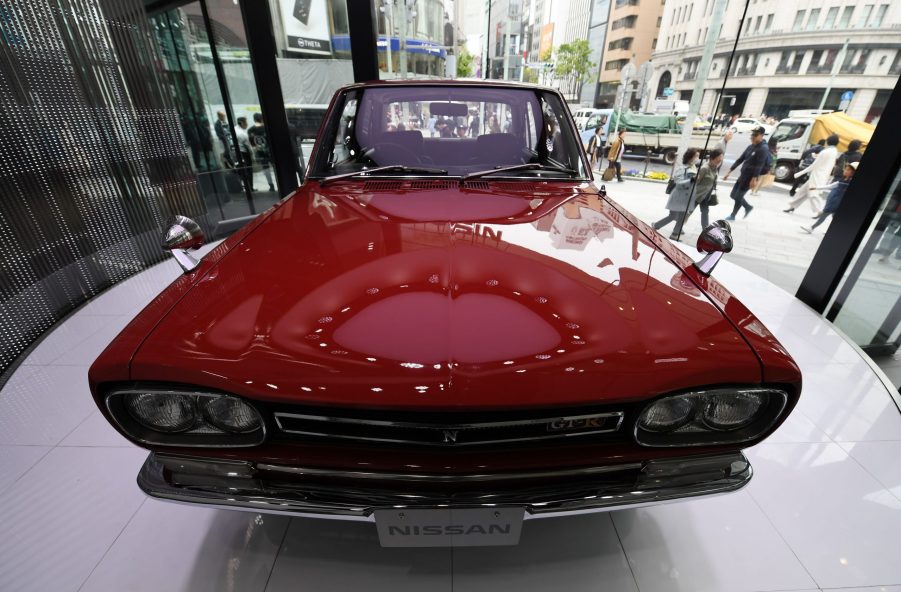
597, 120
789, 131
457, 129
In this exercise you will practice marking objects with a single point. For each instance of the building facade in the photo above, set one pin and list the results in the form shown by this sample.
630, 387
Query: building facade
786, 55
597, 35
632, 33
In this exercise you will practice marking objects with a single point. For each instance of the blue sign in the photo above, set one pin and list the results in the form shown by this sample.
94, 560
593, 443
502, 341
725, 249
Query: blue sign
668, 91
847, 95
342, 43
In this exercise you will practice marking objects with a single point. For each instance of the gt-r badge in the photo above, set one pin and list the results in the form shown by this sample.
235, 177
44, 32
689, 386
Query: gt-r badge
565, 424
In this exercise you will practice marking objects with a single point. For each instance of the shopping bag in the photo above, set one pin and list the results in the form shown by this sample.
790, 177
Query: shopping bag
609, 173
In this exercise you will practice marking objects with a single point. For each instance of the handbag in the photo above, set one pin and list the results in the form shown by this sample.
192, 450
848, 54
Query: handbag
712, 200
609, 173
670, 185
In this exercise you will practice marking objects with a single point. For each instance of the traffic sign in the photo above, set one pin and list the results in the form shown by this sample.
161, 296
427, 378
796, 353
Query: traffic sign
847, 95
620, 91
627, 73
668, 91
645, 71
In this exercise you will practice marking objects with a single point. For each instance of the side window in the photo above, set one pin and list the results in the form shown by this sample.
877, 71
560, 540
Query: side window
531, 129
344, 139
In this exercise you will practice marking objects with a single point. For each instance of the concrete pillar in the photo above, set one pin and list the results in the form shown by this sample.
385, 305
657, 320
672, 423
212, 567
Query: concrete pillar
707, 102
756, 100
861, 103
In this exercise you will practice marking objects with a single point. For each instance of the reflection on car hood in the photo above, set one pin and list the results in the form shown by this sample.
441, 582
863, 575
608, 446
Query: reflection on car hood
440, 296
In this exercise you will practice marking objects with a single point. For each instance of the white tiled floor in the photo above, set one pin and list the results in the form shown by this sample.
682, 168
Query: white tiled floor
822, 512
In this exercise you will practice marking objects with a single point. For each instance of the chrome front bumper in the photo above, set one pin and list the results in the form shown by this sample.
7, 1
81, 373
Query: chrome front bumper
354, 495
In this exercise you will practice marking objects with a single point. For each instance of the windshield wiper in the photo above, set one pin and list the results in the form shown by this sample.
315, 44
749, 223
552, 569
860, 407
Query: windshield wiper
519, 167
391, 167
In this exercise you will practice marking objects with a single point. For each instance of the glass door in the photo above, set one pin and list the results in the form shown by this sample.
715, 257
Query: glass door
868, 305
213, 88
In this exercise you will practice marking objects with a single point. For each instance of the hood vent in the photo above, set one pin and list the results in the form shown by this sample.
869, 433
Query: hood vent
382, 186
432, 184
516, 186
441, 184
480, 185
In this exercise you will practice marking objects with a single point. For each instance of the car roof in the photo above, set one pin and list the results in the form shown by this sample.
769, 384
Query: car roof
452, 82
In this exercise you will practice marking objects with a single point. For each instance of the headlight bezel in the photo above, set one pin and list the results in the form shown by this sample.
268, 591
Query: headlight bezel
697, 432
202, 434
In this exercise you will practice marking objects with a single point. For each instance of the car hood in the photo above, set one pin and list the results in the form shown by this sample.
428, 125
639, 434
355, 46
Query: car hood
436, 296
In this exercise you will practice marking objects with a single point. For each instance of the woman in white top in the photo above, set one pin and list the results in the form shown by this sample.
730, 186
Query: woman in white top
820, 173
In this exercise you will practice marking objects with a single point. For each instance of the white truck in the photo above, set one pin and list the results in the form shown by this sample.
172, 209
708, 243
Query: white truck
794, 136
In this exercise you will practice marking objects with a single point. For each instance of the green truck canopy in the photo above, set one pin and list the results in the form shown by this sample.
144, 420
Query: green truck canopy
645, 124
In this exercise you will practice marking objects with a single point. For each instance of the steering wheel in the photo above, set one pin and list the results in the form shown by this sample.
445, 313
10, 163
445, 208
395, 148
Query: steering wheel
391, 153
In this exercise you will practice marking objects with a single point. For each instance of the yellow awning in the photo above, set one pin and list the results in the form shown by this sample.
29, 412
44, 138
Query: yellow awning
846, 127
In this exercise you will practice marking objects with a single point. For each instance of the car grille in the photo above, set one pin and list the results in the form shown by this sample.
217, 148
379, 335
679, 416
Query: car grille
434, 433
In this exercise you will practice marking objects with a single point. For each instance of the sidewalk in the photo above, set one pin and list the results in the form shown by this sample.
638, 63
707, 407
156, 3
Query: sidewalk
768, 242
771, 244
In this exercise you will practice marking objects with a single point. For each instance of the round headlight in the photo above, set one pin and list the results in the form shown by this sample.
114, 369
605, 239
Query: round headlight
231, 415
731, 411
163, 412
667, 414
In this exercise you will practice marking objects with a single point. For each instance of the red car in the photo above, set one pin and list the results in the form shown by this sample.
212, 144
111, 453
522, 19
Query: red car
449, 327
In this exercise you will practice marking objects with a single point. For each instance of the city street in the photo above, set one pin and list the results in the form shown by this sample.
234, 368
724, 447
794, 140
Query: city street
769, 242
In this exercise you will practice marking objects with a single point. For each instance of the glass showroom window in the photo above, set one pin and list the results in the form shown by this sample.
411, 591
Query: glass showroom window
785, 78
313, 56
867, 306
418, 39
212, 84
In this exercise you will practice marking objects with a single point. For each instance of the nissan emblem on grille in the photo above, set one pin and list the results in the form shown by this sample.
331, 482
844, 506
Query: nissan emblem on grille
450, 436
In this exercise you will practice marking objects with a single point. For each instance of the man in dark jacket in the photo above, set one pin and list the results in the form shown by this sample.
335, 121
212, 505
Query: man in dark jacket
755, 158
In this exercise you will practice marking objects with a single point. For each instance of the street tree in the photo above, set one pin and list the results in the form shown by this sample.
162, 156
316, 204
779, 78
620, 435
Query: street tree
572, 63
464, 62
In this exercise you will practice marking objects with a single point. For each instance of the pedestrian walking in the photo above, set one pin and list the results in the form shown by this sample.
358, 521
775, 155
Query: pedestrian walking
724, 142
806, 160
834, 199
753, 159
767, 176
852, 154
594, 148
259, 142
222, 133
493, 126
615, 153
245, 170
474, 123
819, 173
705, 186
681, 197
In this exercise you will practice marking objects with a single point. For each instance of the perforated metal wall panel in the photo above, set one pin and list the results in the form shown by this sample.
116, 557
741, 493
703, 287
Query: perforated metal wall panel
92, 158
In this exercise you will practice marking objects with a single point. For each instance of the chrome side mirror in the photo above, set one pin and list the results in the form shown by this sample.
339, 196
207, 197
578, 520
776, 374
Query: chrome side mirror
183, 234
716, 241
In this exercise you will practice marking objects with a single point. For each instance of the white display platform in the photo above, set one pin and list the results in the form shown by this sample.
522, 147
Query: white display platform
822, 512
